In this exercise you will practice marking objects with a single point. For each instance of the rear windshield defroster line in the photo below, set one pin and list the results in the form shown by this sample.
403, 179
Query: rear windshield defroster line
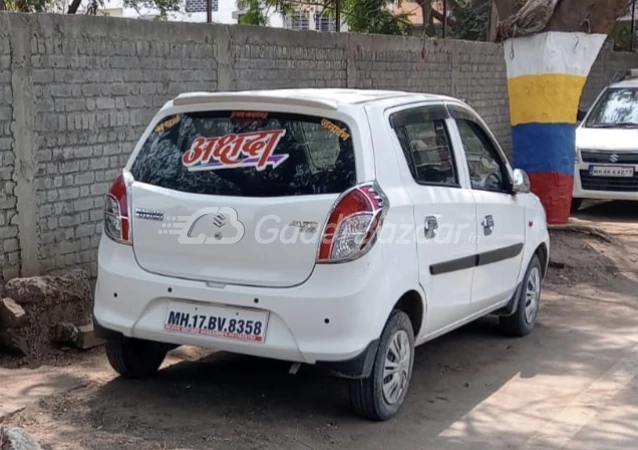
248, 154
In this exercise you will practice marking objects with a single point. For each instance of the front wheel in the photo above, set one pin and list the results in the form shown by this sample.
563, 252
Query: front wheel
381, 395
576, 204
523, 320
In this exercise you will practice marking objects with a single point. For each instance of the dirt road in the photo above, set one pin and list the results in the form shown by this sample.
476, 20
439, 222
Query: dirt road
571, 384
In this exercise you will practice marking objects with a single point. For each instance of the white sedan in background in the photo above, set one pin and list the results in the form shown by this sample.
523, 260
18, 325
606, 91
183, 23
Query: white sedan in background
607, 145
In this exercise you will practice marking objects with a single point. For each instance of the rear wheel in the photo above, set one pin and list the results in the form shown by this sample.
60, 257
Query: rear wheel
380, 396
523, 320
134, 358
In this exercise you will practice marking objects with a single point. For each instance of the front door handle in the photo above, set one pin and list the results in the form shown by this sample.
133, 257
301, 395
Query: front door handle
430, 226
488, 225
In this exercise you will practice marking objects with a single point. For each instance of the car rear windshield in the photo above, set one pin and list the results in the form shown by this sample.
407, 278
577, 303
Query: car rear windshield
617, 108
248, 153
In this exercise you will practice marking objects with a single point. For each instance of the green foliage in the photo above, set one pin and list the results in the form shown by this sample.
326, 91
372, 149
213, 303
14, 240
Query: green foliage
28, 6
471, 20
621, 37
92, 7
374, 16
164, 6
255, 14
362, 16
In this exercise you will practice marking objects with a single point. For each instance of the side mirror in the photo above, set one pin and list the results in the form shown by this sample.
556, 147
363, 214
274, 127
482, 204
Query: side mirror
520, 182
581, 115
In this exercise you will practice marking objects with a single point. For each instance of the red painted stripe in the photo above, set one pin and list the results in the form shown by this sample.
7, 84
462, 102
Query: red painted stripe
555, 191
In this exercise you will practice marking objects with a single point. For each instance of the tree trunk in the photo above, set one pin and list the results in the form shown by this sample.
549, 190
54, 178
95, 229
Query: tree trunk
506, 8
549, 50
3, 5
74, 6
588, 16
426, 10
492, 22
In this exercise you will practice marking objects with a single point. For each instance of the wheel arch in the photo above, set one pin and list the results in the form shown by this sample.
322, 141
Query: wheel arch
413, 304
543, 255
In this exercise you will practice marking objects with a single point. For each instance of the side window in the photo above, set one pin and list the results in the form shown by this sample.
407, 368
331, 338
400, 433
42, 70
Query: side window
426, 146
487, 170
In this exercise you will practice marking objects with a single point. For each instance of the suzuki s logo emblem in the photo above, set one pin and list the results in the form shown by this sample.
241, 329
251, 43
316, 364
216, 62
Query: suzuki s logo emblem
220, 220
189, 232
614, 158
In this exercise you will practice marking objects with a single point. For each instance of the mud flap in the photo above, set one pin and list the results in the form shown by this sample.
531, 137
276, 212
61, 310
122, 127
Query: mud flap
511, 308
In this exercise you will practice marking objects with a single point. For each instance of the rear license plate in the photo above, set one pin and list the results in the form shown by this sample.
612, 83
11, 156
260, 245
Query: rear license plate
229, 323
611, 171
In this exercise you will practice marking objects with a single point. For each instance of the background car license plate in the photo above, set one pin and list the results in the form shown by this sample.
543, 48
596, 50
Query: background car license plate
228, 323
611, 171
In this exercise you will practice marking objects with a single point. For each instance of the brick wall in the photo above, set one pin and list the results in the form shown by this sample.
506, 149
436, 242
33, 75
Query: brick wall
76, 92
9, 255
94, 93
606, 67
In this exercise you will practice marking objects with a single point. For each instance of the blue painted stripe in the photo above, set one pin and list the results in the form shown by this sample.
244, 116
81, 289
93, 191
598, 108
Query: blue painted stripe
544, 147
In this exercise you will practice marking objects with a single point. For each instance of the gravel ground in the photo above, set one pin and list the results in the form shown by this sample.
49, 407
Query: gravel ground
569, 385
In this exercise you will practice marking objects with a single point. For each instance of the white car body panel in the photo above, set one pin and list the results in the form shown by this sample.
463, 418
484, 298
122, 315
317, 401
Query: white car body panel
610, 140
319, 312
283, 262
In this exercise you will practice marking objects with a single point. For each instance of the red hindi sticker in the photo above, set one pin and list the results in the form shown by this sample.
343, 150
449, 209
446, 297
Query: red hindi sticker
254, 149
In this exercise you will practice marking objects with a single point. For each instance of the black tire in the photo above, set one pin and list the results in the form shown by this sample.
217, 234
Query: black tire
366, 395
576, 204
520, 323
134, 358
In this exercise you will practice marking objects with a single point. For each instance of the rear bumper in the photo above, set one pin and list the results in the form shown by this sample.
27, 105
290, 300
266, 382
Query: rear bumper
359, 366
336, 316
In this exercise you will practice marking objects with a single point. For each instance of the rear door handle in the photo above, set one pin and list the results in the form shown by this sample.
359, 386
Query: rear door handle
488, 225
430, 226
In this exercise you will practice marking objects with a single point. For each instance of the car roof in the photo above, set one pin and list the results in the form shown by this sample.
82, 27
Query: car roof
632, 83
321, 97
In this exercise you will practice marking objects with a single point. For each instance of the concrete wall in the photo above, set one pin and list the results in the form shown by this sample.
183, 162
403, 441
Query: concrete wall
76, 92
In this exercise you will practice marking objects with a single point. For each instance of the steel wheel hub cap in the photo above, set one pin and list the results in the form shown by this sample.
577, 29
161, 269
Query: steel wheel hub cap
532, 295
396, 368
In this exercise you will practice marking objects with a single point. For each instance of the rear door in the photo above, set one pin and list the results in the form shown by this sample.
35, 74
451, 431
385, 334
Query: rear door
500, 225
238, 197
444, 212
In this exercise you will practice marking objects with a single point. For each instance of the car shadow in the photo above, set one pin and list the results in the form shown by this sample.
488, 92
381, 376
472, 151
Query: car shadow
609, 211
225, 401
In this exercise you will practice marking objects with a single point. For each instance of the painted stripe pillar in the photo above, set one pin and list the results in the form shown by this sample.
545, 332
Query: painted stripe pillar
546, 74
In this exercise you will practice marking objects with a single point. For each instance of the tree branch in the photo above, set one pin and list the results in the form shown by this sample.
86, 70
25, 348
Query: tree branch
74, 6
439, 16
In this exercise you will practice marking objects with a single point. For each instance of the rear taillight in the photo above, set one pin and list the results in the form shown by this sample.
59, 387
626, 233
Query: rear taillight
117, 224
353, 224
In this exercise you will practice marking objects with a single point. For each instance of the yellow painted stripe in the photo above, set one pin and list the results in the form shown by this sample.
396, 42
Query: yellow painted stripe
552, 98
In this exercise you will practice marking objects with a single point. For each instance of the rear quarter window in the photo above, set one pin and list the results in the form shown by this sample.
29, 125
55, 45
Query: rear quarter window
244, 153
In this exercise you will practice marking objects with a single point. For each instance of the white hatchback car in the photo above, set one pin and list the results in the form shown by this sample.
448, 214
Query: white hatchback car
607, 144
338, 228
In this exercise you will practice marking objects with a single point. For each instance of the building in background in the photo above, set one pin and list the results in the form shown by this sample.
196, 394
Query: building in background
415, 14
307, 18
